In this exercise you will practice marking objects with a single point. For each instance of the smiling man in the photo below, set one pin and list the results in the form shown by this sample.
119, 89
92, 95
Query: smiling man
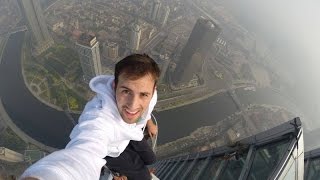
110, 127
135, 88
133, 96
135, 83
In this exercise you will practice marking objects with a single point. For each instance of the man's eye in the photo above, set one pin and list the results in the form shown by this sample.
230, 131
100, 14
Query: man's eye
125, 91
144, 95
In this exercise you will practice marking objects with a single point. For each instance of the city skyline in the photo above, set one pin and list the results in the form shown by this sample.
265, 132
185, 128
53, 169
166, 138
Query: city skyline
150, 37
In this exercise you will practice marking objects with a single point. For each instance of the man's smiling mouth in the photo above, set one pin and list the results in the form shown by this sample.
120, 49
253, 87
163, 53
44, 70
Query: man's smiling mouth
131, 112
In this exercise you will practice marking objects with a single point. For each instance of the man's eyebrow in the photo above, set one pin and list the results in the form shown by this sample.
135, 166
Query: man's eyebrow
124, 87
147, 93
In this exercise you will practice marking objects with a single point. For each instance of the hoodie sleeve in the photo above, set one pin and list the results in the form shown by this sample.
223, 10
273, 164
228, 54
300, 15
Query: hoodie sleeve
92, 135
83, 156
66, 164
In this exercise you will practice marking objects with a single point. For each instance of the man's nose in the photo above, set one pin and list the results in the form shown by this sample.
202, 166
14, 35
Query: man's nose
133, 102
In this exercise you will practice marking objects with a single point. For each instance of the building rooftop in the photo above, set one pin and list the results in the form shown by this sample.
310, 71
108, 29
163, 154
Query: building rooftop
262, 156
87, 39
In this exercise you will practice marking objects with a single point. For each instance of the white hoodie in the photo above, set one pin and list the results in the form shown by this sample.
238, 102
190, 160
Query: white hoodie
100, 132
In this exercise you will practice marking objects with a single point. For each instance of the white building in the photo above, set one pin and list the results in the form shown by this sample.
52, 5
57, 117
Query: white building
89, 54
135, 36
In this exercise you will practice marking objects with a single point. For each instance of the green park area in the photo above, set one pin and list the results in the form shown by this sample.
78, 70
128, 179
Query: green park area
11, 141
56, 77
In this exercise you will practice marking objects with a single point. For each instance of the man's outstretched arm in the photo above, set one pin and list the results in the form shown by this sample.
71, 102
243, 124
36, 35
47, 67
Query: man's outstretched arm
82, 158
66, 164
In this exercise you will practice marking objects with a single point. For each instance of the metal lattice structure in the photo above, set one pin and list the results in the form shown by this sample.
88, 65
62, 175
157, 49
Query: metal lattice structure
312, 165
273, 154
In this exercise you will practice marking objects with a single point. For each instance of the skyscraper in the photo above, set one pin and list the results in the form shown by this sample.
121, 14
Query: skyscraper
10, 156
135, 36
154, 10
276, 153
88, 50
164, 14
112, 50
192, 57
42, 38
165, 64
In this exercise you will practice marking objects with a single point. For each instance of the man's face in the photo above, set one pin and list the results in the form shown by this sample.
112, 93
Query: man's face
133, 96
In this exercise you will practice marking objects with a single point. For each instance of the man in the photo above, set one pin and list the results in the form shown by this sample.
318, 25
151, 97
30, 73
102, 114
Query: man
117, 115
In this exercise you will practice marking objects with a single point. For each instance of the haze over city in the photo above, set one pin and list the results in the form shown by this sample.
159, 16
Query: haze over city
229, 69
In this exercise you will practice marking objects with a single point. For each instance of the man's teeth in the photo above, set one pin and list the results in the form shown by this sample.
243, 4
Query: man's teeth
130, 112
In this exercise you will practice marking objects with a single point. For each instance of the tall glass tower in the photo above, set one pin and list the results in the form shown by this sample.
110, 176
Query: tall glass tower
204, 33
42, 38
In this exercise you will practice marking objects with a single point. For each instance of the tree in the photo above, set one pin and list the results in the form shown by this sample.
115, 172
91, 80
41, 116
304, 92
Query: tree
73, 104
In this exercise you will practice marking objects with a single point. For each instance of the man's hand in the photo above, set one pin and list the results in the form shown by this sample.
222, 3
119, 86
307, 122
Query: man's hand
152, 128
120, 178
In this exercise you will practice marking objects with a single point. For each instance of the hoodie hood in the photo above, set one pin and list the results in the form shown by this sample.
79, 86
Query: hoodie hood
102, 85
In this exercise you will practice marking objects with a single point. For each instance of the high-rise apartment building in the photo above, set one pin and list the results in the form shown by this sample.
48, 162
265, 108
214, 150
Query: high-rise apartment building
163, 15
89, 54
41, 37
204, 33
112, 50
154, 10
165, 64
135, 36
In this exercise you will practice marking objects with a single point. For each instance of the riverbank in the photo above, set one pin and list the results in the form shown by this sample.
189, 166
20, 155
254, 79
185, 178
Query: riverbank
37, 120
26, 138
227, 131
22, 69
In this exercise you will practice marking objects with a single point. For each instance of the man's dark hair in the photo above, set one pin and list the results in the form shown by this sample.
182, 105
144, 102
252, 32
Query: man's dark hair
136, 66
